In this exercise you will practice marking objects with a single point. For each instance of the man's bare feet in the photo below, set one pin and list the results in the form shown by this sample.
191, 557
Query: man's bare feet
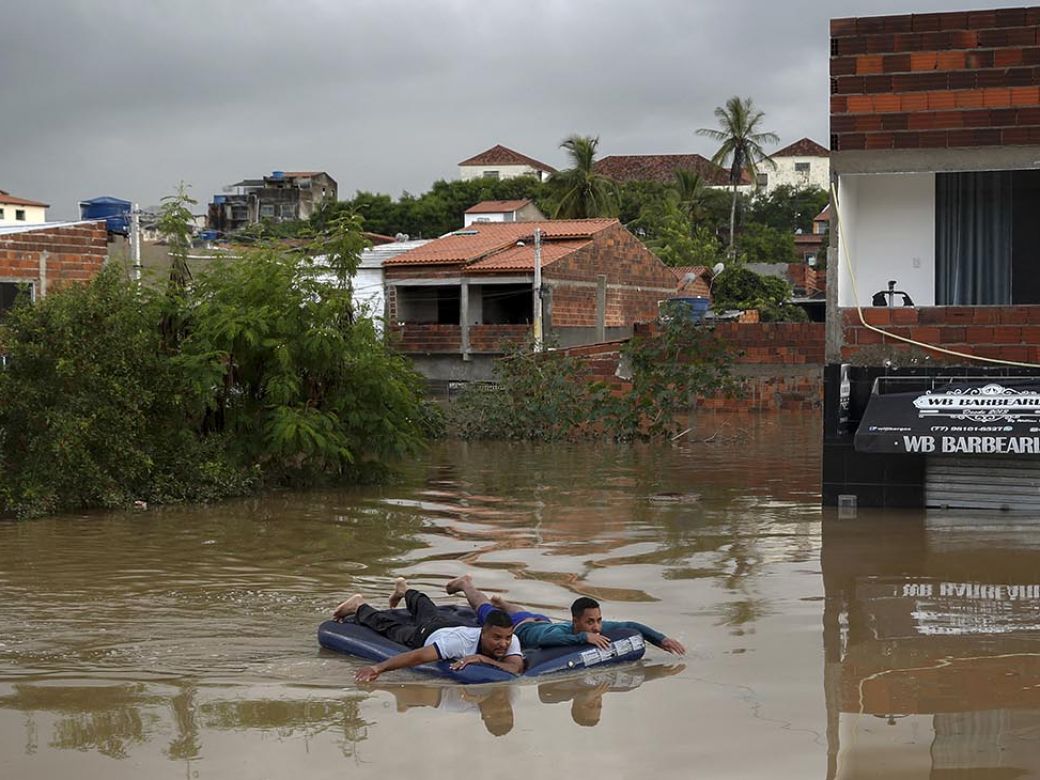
458, 584
497, 601
400, 588
348, 607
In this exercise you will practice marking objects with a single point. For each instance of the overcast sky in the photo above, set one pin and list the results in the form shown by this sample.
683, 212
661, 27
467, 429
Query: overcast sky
127, 98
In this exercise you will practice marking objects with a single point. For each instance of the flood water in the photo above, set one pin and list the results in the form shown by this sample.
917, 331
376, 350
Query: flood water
181, 642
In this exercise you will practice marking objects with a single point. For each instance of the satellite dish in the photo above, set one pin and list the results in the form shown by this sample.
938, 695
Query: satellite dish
718, 269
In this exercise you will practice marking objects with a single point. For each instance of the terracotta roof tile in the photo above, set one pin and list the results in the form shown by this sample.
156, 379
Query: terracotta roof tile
521, 258
13, 200
806, 147
662, 168
481, 239
497, 206
501, 155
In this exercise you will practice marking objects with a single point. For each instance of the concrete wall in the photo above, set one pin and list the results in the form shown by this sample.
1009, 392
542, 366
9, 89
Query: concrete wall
467, 172
785, 174
34, 215
887, 231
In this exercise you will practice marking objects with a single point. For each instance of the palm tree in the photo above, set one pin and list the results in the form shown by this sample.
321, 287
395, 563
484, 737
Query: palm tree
580, 192
690, 191
741, 150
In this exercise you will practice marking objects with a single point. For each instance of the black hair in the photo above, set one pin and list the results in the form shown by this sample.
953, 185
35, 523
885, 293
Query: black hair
498, 619
580, 605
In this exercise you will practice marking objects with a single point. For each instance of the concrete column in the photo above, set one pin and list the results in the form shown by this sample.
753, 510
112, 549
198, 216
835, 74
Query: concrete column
464, 317
601, 308
43, 273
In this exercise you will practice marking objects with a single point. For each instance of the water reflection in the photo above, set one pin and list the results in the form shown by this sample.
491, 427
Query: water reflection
932, 659
586, 692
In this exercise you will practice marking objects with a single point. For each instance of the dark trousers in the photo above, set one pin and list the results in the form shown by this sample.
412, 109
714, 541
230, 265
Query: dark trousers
410, 630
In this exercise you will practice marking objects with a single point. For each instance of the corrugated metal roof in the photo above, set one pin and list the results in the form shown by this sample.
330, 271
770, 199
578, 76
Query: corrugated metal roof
9, 229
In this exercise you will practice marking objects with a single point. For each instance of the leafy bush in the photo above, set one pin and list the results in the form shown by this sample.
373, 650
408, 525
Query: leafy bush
742, 288
255, 373
550, 396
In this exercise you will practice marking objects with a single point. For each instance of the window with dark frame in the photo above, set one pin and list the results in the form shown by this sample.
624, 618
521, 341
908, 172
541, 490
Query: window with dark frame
19, 214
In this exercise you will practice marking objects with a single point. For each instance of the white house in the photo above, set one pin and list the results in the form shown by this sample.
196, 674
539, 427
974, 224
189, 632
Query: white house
369, 288
21, 211
500, 162
503, 211
802, 164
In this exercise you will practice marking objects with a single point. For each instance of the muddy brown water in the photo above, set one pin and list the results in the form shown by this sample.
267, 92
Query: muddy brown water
180, 642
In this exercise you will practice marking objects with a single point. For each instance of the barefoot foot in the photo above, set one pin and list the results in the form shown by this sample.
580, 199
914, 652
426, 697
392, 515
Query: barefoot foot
348, 607
458, 584
497, 601
400, 588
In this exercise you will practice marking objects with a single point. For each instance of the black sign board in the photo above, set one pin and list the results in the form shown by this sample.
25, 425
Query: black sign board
998, 417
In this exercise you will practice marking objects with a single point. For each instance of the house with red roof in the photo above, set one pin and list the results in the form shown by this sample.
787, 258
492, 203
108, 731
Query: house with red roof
501, 162
459, 301
662, 168
502, 211
21, 211
804, 163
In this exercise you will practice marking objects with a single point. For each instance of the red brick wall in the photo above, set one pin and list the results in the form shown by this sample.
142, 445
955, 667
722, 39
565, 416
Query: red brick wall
74, 254
963, 79
1004, 333
427, 338
496, 338
779, 366
636, 281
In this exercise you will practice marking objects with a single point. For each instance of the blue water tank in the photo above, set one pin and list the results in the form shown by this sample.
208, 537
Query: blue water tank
277, 174
219, 199
692, 308
114, 211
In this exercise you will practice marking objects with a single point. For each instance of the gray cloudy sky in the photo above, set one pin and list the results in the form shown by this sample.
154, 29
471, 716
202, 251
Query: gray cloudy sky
129, 97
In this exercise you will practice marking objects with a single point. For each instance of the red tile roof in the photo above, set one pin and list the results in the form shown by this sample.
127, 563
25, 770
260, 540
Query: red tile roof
481, 239
662, 168
521, 258
497, 206
13, 200
698, 284
825, 215
501, 155
806, 147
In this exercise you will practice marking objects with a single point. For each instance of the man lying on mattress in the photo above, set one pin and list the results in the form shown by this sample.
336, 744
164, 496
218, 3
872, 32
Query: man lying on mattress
534, 630
433, 635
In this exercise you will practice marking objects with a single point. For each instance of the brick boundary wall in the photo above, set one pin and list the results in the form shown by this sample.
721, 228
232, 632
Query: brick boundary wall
74, 253
779, 365
426, 338
1000, 332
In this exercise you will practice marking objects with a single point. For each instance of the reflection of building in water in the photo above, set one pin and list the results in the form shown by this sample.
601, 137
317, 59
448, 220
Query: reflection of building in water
932, 660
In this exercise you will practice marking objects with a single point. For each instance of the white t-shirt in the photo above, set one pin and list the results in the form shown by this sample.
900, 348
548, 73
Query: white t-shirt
461, 641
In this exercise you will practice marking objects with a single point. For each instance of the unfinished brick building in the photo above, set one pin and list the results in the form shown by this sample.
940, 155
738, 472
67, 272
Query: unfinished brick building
457, 302
40, 258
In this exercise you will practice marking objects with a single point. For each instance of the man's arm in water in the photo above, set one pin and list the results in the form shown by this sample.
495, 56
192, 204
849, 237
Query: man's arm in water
407, 660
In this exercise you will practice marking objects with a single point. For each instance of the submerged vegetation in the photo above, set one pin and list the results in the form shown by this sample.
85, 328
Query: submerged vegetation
551, 396
253, 373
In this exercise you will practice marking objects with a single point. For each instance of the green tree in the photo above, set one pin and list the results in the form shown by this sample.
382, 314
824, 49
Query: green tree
742, 288
762, 244
664, 226
580, 192
787, 208
741, 138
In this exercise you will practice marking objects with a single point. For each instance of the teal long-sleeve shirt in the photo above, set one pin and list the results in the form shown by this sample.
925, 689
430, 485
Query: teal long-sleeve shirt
542, 634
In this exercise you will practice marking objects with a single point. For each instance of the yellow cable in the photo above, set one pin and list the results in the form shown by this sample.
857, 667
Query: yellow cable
855, 294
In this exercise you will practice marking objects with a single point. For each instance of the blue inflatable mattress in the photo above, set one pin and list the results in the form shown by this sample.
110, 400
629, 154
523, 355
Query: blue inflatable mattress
350, 638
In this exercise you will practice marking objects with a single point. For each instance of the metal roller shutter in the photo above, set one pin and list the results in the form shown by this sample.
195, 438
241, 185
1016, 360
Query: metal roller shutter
989, 482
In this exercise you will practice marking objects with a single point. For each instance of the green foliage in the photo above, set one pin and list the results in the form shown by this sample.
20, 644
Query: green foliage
667, 231
271, 380
787, 208
175, 226
549, 396
761, 244
433, 213
670, 370
579, 192
742, 288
